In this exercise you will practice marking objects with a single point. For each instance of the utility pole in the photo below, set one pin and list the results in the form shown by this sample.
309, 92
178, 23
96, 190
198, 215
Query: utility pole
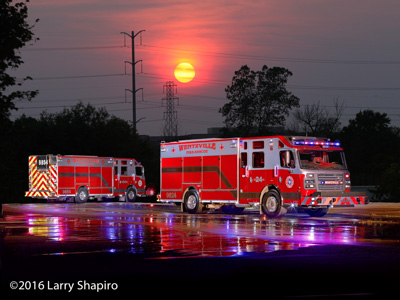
133, 63
171, 115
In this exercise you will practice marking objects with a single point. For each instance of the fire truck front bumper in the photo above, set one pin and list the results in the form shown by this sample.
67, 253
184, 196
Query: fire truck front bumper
329, 199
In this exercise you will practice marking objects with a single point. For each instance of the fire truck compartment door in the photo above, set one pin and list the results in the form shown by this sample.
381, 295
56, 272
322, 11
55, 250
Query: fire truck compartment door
192, 170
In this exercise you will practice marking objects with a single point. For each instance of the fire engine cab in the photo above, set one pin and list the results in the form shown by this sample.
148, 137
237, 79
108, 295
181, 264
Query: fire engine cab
85, 177
274, 173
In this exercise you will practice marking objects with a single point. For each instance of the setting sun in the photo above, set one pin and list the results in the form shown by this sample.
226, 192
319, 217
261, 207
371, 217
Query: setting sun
184, 72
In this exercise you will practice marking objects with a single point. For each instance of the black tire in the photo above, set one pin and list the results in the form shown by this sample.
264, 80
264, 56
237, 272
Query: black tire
130, 195
82, 195
271, 205
192, 202
317, 212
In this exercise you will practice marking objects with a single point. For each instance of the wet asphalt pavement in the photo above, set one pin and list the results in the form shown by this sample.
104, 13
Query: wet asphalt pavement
109, 249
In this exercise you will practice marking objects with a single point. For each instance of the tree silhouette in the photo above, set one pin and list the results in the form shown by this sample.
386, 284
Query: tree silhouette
371, 147
316, 120
258, 100
15, 33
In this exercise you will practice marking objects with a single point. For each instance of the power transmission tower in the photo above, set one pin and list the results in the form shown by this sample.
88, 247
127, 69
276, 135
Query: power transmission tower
171, 115
134, 90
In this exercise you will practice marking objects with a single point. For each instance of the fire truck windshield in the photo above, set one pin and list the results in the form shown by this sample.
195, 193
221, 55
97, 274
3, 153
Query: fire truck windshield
322, 160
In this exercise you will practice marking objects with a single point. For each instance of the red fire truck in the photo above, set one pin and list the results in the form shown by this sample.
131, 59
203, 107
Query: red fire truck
274, 173
85, 177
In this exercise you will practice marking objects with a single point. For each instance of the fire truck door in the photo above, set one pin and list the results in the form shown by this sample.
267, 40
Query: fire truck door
243, 175
122, 178
117, 176
139, 176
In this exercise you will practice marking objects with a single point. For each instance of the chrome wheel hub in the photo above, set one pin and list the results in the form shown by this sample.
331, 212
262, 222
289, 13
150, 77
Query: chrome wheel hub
272, 204
191, 202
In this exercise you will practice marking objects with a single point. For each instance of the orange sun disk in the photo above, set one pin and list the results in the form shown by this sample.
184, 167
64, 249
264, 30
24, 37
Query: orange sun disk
184, 72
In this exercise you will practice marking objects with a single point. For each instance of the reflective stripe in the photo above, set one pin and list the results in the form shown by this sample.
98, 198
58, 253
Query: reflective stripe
313, 200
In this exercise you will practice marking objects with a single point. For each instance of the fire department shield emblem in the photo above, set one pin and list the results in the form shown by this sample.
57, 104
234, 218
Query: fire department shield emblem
289, 182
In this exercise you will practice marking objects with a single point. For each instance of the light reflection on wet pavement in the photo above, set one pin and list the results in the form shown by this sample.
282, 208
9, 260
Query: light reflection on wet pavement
346, 254
164, 232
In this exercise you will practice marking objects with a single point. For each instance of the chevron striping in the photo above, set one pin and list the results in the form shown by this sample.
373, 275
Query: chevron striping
42, 182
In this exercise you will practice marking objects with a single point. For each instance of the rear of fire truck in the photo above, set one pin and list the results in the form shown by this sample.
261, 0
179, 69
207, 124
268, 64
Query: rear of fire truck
42, 177
326, 179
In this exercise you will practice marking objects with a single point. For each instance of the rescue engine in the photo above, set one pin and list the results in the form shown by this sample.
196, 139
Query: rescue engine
275, 173
84, 177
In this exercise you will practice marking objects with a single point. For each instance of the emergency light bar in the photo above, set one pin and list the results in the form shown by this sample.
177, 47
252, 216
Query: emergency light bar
314, 142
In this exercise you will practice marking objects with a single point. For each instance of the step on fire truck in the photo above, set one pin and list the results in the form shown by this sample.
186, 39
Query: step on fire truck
275, 173
85, 177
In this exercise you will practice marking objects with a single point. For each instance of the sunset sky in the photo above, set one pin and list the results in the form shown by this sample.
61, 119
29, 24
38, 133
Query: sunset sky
345, 49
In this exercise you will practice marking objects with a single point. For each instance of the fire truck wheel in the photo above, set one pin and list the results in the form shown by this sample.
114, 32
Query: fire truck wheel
82, 195
271, 205
130, 195
317, 212
192, 202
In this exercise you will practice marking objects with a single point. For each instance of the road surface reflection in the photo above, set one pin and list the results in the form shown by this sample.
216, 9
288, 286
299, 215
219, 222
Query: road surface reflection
166, 234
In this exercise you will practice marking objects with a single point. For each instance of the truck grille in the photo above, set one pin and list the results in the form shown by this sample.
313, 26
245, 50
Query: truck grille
330, 182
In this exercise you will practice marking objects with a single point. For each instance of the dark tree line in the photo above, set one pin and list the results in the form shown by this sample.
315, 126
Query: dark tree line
372, 148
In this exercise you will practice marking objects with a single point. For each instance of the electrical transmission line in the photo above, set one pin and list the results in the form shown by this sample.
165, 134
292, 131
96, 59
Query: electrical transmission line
134, 90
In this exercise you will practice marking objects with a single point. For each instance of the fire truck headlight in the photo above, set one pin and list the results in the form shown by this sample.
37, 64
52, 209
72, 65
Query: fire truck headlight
348, 182
309, 181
